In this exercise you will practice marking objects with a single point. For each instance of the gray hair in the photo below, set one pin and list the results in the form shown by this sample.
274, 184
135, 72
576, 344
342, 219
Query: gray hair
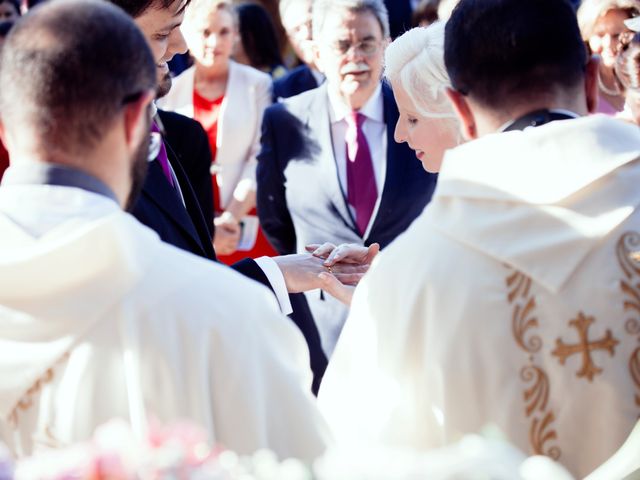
591, 10
321, 9
416, 61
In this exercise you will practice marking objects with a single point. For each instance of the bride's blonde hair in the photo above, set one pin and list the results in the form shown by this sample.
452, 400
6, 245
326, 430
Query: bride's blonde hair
416, 61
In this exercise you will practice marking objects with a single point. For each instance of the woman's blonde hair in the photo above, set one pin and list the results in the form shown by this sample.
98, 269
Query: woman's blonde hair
416, 61
591, 10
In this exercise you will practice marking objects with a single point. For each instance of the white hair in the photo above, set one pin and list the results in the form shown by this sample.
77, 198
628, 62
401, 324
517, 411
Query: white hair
285, 5
322, 8
445, 8
591, 10
416, 61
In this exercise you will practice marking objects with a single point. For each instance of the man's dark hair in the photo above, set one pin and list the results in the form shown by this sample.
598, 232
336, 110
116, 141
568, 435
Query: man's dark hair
135, 8
510, 51
5, 27
78, 63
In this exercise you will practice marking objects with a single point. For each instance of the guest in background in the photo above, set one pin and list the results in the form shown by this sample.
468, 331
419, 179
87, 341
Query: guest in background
601, 23
9, 10
399, 16
425, 13
297, 20
228, 99
628, 72
258, 45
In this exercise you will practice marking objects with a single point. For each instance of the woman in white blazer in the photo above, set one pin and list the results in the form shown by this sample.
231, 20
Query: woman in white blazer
228, 99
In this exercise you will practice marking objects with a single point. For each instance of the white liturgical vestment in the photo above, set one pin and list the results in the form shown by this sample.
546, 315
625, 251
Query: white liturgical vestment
512, 301
100, 319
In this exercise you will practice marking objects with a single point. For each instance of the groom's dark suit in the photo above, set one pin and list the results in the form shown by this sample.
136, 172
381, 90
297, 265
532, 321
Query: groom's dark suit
190, 226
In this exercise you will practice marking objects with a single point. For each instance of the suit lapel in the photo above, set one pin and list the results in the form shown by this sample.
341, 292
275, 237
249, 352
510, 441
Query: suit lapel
165, 197
394, 170
321, 124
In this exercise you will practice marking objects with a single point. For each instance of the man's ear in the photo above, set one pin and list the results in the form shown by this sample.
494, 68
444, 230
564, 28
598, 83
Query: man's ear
316, 56
464, 114
136, 121
591, 83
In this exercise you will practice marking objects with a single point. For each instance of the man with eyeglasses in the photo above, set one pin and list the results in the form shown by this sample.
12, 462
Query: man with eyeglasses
329, 168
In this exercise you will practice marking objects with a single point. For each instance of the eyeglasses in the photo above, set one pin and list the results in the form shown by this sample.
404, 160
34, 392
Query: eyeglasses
365, 47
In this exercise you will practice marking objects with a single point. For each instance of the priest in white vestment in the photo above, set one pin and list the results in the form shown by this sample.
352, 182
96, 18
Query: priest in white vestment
514, 299
99, 318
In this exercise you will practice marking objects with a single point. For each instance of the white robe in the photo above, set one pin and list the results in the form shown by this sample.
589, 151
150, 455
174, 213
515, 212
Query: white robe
463, 321
100, 319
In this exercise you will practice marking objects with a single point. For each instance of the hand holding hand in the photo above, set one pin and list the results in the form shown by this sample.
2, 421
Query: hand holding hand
344, 253
302, 272
347, 254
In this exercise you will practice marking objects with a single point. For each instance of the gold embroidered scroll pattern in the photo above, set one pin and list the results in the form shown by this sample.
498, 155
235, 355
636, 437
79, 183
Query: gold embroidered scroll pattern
26, 401
523, 308
536, 393
563, 351
628, 254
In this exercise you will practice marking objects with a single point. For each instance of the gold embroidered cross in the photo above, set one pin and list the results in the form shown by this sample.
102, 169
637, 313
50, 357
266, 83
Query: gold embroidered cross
563, 351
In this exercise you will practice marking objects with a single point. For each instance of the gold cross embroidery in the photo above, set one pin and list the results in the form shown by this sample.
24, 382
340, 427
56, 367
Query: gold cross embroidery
563, 351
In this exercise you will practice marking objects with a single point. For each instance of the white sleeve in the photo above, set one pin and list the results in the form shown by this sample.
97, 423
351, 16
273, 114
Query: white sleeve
276, 280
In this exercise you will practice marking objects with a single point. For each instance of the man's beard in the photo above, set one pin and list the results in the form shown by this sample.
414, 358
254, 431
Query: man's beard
164, 85
138, 172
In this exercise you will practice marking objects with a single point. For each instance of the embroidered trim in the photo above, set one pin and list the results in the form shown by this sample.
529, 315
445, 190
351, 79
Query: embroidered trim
536, 393
563, 351
628, 254
26, 401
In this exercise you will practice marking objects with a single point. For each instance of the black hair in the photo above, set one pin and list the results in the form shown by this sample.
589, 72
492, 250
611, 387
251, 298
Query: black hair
74, 76
258, 36
5, 27
135, 8
427, 10
504, 51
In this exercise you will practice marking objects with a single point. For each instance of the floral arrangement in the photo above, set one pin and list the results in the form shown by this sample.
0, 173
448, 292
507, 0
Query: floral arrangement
180, 452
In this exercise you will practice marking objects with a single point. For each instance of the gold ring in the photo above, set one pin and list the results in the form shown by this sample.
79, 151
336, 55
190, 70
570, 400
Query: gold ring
329, 269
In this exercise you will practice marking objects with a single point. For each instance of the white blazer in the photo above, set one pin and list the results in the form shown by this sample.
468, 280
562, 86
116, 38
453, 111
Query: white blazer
248, 94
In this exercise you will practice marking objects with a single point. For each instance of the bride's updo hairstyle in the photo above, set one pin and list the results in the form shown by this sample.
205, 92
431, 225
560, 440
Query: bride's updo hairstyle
415, 60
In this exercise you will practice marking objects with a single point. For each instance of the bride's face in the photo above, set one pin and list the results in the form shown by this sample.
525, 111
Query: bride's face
428, 137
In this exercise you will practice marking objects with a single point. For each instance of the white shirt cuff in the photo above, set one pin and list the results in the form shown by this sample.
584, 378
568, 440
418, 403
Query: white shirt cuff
276, 279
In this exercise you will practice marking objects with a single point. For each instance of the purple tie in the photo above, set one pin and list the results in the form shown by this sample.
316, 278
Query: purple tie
361, 183
162, 155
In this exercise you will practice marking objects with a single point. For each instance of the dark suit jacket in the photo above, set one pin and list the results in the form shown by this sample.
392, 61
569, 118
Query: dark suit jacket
296, 81
159, 206
399, 16
300, 200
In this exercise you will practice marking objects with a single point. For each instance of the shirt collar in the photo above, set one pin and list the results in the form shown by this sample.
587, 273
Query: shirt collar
559, 111
373, 109
36, 173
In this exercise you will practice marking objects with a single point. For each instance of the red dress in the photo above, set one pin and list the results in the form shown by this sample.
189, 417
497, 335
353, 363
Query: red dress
206, 112
4, 159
